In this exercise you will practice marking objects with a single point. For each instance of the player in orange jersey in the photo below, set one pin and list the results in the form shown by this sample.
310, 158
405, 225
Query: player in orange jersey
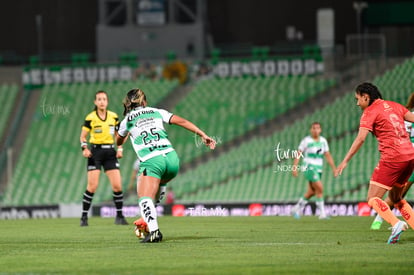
385, 119
376, 224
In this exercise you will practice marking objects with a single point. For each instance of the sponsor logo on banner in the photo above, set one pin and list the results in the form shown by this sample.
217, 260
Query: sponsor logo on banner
262, 209
364, 209
127, 211
26, 212
268, 68
67, 75
178, 210
255, 209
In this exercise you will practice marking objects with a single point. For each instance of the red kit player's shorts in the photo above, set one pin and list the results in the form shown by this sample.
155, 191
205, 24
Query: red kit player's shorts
387, 174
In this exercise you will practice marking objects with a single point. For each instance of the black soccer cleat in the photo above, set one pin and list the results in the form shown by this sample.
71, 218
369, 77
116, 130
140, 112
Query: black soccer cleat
121, 221
153, 237
84, 221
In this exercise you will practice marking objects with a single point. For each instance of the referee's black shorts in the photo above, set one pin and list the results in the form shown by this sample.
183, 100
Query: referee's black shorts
103, 155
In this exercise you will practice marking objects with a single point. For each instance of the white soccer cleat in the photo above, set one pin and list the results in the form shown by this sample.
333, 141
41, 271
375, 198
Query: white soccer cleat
295, 212
397, 229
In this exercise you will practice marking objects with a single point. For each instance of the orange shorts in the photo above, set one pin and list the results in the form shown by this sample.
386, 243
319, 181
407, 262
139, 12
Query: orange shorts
388, 174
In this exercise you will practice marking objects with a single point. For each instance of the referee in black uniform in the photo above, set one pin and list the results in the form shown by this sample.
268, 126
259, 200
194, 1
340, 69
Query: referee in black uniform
100, 126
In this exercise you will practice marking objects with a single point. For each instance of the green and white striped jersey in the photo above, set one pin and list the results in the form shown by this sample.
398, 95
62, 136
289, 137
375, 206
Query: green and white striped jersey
313, 151
147, 133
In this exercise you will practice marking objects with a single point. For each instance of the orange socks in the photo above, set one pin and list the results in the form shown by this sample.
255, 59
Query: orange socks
406, 212
384, 210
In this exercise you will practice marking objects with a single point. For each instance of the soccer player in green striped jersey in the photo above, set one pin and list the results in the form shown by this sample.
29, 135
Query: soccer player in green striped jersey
159, 162
313, 149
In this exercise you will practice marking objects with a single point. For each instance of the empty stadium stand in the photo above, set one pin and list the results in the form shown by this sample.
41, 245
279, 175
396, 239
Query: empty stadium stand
227, 108
250, 172
51, 169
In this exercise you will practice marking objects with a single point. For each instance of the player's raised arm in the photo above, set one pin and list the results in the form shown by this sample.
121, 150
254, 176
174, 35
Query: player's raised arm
356, 145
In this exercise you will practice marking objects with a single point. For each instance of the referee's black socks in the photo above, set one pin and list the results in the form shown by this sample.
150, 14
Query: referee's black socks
86, 202
119, 202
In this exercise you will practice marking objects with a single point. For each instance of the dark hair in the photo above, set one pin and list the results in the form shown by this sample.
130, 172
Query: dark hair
97, 93
316, 123
410, 103
133, 99
369, 89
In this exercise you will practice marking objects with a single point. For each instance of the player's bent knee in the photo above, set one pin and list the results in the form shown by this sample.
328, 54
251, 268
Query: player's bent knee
92, 187
372, 200
400, 204
117, 188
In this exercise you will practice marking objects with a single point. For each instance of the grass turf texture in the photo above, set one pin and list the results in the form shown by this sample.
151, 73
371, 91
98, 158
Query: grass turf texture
204, 245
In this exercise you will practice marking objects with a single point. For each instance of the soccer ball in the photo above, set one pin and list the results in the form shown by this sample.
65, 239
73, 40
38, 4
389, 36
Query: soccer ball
141, 228
140, 233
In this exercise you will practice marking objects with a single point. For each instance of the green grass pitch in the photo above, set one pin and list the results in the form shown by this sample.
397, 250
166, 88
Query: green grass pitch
205, 245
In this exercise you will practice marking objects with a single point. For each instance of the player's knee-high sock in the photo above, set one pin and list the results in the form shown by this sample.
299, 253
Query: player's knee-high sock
321, 205
148, 213
406, 212
383, 210
161, 194
378, 218
118, 198
302, 203
86, 202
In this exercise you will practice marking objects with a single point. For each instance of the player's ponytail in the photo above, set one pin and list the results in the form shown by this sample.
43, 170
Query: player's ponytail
369, 89
134, 98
